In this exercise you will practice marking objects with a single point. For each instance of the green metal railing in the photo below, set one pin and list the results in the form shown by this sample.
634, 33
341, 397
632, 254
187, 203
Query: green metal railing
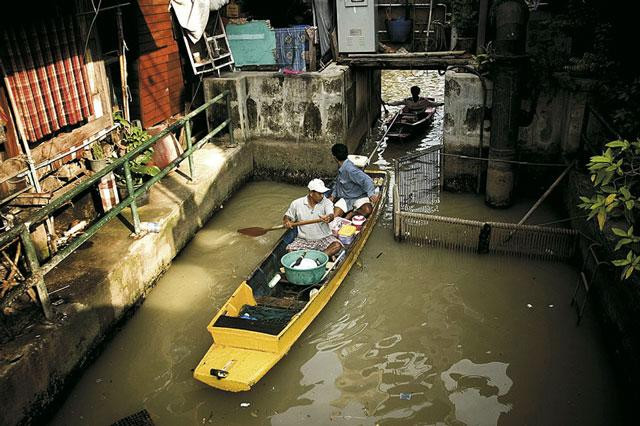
21, 231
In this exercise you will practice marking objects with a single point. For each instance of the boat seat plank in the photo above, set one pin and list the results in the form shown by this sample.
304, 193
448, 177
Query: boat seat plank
278, 302
262, 319
260, 326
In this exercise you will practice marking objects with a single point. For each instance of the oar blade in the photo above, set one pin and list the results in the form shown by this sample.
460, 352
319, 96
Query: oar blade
254, 231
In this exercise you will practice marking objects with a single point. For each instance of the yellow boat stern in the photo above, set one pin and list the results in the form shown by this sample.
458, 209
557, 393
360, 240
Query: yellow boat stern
234, 369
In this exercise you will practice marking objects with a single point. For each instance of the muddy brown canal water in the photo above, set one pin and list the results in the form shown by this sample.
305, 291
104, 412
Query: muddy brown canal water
415, 335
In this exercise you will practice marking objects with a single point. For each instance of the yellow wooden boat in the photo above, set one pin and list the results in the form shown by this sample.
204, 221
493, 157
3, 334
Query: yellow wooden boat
245, 349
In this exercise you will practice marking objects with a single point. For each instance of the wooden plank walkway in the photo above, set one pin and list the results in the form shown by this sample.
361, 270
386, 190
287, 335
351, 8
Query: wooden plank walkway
412, 60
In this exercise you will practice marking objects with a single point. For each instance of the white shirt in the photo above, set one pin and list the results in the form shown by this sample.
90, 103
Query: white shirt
300, 209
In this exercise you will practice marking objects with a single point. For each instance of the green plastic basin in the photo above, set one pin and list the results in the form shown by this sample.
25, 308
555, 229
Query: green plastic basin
304, 276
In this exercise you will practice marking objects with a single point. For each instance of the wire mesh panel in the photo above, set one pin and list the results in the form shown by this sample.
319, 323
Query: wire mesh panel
486, 237
529, 240
141, 418
416, 195
425, 229
418, 180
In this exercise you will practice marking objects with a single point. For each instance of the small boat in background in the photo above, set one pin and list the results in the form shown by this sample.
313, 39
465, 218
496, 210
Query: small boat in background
406, 125
265, 316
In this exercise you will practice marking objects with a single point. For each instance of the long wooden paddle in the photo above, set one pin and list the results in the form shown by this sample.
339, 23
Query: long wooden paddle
395, 117
256, 231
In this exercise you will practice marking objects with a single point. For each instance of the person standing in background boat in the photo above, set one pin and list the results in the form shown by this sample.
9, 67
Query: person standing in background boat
415, 104
315, 236
354, 189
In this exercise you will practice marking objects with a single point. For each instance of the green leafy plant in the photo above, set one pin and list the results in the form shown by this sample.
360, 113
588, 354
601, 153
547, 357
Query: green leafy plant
97, 152
615, 175
133, 137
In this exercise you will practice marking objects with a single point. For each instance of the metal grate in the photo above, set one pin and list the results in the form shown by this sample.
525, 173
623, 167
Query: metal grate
418, 180
141, 418
416, 195
486, 237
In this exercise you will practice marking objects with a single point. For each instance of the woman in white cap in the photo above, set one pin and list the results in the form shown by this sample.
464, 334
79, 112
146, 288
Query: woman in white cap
315, 236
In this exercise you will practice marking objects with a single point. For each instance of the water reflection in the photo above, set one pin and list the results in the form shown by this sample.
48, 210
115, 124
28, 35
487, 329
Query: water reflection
395, 86
324, 402
393, 346
475, 389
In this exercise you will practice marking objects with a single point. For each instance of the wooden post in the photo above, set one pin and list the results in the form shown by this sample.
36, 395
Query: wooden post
397, 215
187, 133
482, 26
312, 52
334, 45
546, 193
122, 59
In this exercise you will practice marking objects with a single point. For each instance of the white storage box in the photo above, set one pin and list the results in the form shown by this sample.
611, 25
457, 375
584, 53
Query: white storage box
358, 160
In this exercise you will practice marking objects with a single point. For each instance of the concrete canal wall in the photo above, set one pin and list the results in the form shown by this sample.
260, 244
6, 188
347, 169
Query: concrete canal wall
108, 277
616, 303
293, 120
554, 128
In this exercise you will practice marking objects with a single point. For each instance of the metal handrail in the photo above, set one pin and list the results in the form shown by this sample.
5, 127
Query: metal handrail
22, 231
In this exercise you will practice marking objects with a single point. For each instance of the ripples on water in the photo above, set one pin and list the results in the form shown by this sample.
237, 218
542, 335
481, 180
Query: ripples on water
414, 335
396, 86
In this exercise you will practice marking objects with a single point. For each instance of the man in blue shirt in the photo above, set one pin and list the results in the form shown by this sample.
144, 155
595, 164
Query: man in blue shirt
354, 189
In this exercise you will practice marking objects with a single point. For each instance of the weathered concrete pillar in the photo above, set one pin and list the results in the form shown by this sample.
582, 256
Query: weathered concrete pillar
510, 42
463, 118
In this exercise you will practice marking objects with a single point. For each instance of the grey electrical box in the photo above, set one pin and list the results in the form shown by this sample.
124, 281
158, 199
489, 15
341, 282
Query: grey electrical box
357, 26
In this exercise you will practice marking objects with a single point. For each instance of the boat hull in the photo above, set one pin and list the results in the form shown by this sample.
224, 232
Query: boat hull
245, 356
408, 126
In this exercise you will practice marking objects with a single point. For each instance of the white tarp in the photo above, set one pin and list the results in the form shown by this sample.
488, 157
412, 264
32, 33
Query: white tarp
193, 15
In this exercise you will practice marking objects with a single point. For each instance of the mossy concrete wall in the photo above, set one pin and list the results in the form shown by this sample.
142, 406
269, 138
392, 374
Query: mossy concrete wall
559, 113
109, 275
553, 130
292, 120
463, 121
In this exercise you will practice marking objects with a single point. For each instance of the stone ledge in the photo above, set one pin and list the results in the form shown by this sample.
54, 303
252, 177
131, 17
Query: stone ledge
109, 277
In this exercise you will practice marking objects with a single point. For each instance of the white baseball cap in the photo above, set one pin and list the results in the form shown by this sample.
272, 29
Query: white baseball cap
317, 185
